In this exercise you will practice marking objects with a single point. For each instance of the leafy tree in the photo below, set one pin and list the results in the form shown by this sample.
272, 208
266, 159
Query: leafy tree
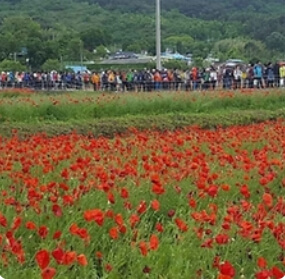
93, 38
51, 65
72, 29
101, 51
75, 49
9, 65
276, 41
181, 44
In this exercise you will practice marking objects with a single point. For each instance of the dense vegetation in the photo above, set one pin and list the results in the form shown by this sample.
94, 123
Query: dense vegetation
69, 30
109, 114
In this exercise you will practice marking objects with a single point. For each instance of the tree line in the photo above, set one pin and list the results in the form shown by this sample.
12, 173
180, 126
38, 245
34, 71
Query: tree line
34, 32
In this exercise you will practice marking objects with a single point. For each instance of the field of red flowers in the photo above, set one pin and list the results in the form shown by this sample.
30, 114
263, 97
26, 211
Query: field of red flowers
190, 203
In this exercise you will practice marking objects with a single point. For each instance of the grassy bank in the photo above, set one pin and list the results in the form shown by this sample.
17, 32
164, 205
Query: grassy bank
110, 126
89, 106
108, 114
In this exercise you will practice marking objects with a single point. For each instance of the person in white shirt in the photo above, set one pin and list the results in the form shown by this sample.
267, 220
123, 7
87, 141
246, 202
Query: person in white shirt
237, 77
213, 78
118, 82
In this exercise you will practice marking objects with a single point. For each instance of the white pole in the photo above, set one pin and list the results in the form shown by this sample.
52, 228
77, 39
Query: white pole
158, 36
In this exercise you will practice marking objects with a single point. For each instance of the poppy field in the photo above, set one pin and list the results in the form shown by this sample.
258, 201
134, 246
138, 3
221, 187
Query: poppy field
188, 203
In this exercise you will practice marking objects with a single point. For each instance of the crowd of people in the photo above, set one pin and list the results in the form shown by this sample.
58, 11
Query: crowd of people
222, 76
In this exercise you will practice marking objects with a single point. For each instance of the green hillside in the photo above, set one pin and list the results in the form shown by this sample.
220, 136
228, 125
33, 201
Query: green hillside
60, 29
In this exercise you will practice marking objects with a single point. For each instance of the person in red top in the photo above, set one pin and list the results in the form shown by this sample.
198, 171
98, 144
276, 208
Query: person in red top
194, 78
157, 80
3, 79
86, 79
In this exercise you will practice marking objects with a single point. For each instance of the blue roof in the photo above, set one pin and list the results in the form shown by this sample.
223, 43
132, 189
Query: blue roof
76, 68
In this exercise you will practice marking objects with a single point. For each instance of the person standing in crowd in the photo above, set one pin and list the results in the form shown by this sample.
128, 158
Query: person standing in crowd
276, 71
194, 78
4, 80
243, 78
135, 81
227, 78
95, 79
111, 80
250, 76
237, 77
206, 79
118, 82
269, 73
86, 79
140, 81
258, 75
129, 80
148, 78
104, 81
187, 80
213, 78
157, 80
177, 79
123, 76
282, 75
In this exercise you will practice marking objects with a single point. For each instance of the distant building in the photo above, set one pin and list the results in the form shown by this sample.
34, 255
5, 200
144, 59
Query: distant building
76, 68
123, 55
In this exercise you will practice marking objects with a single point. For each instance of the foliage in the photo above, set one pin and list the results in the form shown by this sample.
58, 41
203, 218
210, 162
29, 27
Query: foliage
101, 51
80, 107
240, 47
68, 30
51, 65
11, 66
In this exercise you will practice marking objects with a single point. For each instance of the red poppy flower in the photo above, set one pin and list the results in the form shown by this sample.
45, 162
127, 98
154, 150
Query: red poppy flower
181, 225
42, 259
222, 239
119, 220
141, 207
48, 273
82, 260
153, 242
265, 274
159, 227
58, 255
31, 226
158, 189
16, 223
99, 255
69, 257
94, 215
143, 248
261, 262
277, 273
56, 209
3, 221
113, 232
108, 267
155, 205
43, 231
227, 269
124, 193
213, 191
267, 199
57, 235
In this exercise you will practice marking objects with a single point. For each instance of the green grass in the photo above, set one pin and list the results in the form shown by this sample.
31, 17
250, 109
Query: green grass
111, 113
111, 126
90, 106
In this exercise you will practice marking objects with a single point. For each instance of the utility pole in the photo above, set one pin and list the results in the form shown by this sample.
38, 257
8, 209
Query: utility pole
158, 36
